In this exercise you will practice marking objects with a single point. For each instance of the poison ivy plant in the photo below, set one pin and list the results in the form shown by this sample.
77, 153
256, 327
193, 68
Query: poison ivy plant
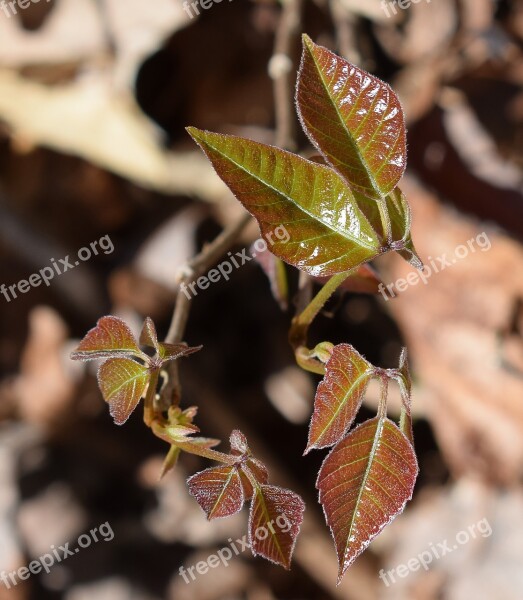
128, 374
341, 210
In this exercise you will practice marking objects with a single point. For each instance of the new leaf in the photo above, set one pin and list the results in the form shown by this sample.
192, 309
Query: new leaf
353, 118
122, 382
364, 483
328, 231
338, 397
274, 523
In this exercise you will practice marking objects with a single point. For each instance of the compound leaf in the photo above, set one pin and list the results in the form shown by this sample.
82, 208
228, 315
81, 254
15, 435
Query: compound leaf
353, 118
110, 338
122, 382
339, 396
218, 491
328, 232
364, 483
275, 519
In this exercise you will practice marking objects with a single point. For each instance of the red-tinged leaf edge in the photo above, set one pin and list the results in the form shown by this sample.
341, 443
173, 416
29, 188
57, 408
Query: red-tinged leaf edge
339, 396
169, 352
285, 509
358, 457
218, 491
148, 336
122, 382
111, 338
354, 120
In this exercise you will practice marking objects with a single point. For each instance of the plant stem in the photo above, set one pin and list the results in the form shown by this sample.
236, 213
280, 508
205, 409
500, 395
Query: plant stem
148, 409
300, 323
170, 395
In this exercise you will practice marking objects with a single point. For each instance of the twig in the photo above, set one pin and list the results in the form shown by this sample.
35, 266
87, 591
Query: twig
170, 394
280, 69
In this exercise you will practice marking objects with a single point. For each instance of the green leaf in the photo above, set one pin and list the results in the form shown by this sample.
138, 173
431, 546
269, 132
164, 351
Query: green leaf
328, 232
122, 382
218, 491
339, 396
275, 519
364, 483
353, 118
110, 338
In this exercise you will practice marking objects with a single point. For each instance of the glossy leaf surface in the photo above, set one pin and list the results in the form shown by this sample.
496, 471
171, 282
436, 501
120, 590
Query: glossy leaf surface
353, 118
110, 337
364, 483
339, 396
148, 336
218, 491
122, 382
274, 523
328, 232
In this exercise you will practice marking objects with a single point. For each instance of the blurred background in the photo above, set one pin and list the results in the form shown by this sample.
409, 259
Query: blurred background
94, 98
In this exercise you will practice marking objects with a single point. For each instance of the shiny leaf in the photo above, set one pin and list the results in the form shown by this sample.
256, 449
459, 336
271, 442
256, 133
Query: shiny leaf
218, 491
122, 382
328, 232
353, 118
364, 483
110, 338
274, 523
260, 473
339, 396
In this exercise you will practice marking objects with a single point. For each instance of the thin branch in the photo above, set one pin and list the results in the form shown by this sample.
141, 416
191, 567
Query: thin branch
202, 262
280, 69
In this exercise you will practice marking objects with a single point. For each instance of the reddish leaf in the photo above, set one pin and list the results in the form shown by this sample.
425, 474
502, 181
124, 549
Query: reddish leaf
110, 338
238, 442
218, 491
122, 382
259, 472
328, 232
240, 447
173, 351
339, 396
274, 523
364, 483
353, 118
148, 336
